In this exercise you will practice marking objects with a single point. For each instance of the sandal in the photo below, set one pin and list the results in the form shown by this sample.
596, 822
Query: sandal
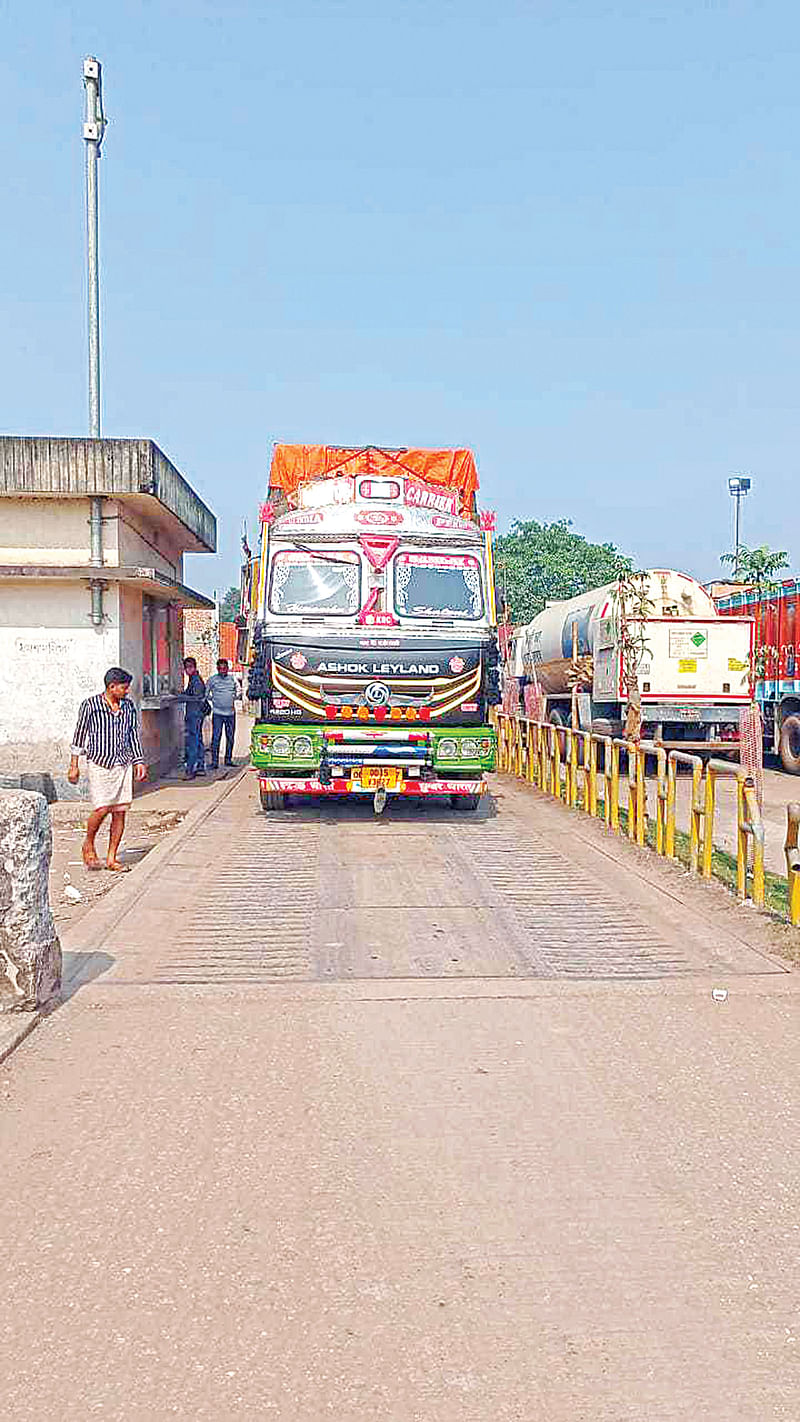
91, 863
117, 868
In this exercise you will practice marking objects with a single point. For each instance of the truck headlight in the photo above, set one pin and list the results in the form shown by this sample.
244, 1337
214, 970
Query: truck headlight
263, 742
304, 747
469, 748
281, 745
447, 749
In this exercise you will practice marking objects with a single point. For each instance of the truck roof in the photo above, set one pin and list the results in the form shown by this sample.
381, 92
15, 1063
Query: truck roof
296, 464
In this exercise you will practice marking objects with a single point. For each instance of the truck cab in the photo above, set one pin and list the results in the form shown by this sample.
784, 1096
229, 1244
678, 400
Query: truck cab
373, 648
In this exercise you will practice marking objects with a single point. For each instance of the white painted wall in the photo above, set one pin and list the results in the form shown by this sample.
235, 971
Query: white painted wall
51, 531
141, 543
52, 658
55, 532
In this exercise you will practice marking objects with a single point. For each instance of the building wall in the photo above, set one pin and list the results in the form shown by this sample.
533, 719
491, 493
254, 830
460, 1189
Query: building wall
55, 533
48, 531
200, 638
141, 544
52, 658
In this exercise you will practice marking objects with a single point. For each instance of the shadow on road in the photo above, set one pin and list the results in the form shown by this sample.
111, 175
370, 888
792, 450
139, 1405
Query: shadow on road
344, 809
78, 970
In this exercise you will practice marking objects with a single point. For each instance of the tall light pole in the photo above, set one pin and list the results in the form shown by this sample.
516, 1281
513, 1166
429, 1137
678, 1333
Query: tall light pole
93, 129
738, 487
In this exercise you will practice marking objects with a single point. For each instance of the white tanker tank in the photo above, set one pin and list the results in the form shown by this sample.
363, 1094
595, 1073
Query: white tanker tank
546, 643
694, 673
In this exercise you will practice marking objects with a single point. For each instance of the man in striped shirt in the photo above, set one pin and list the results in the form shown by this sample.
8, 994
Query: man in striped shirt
107, 734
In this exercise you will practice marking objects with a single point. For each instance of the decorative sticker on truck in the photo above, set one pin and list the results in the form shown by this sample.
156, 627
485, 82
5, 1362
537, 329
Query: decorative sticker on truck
430, 496
688, 642
379, 518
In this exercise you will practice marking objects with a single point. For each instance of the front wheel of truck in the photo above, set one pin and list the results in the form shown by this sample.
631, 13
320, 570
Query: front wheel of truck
465, 802
790, 745
272, 800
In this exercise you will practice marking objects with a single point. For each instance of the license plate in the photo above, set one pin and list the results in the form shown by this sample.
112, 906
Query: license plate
378, 777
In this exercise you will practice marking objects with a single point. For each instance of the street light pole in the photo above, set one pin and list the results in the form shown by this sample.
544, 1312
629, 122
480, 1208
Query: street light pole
93, 131
736, 523
738, 486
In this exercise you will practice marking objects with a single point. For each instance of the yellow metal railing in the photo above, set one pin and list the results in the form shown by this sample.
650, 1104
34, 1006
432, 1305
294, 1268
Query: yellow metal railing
749, 826
566, 763
793, 861
696, 806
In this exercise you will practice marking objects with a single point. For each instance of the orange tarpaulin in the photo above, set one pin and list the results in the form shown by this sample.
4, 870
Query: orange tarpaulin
294, 464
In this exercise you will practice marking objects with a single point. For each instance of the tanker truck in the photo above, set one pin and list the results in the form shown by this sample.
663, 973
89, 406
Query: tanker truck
373, 653
693, 668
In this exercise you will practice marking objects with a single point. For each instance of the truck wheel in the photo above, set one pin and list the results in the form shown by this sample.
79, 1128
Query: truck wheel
465, 802
789, 748
271, 800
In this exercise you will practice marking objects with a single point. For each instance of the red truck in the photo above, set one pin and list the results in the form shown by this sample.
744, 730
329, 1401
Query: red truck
776, 658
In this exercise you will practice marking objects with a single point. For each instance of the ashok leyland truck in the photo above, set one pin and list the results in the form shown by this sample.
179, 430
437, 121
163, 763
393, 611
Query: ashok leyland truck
372, 642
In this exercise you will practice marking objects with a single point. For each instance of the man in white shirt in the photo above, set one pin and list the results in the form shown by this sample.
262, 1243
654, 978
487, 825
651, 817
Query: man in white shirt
221, 691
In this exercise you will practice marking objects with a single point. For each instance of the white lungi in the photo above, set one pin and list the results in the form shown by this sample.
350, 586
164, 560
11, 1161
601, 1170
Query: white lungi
109, 787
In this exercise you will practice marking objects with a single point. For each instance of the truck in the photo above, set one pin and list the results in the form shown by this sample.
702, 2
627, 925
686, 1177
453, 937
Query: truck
372, 647
691, 667
776, 619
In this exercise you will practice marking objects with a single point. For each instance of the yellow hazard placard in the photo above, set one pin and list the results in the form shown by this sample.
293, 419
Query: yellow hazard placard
687, 664
735, 664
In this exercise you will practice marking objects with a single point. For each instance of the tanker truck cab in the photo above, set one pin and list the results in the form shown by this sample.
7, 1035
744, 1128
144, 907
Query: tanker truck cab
374, 656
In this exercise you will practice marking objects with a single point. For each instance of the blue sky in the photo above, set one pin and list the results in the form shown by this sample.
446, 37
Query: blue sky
564, 233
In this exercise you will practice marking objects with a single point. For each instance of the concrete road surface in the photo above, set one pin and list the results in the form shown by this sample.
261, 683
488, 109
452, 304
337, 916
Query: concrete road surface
423, 1118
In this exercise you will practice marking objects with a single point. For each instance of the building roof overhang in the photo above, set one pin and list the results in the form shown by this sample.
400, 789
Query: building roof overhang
148, 580
131, 470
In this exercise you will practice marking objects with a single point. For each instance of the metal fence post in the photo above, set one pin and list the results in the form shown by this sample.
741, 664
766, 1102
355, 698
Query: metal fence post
793, 861
592, 781
661, 800
614, 820
708, 827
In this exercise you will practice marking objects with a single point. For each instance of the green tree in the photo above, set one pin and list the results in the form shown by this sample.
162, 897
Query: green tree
758, 566
539, 562
230, 605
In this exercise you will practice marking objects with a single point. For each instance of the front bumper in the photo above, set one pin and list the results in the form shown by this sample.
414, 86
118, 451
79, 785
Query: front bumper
296, 785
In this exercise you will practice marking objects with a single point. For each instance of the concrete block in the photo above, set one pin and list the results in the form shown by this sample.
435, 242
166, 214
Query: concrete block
30, 953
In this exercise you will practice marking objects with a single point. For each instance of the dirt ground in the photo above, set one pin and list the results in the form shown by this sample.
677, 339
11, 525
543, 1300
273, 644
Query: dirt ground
157, 810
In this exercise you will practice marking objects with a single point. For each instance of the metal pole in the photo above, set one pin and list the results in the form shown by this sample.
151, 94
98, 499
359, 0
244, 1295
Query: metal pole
737, 500
93, 130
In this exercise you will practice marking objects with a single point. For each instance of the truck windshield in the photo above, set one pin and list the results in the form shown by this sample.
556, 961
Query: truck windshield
437, 585
306, 582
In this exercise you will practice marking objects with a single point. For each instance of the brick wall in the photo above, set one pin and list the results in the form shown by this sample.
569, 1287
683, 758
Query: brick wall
200, 638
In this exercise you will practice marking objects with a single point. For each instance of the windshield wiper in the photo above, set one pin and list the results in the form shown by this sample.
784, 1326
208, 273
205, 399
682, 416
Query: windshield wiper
324, 557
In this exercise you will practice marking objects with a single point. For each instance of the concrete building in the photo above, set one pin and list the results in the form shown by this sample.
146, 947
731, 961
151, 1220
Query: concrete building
92, 539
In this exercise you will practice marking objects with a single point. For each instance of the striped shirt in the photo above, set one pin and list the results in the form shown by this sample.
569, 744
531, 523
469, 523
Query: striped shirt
108, 737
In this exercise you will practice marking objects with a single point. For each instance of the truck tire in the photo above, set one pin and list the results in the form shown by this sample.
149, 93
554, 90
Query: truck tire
465, 802
271, 800
789, 748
